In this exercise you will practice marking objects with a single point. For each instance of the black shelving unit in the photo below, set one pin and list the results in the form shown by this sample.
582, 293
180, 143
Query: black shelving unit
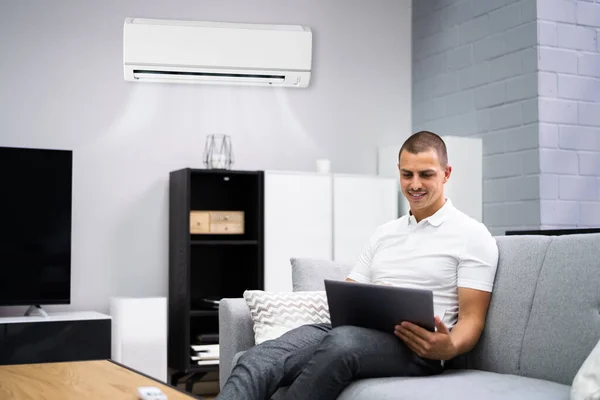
209, 266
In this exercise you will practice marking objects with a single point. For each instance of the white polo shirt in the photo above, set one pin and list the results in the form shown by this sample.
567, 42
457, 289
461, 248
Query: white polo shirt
441, 253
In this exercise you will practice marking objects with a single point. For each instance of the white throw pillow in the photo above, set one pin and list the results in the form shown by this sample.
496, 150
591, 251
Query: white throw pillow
275, 313
586, 385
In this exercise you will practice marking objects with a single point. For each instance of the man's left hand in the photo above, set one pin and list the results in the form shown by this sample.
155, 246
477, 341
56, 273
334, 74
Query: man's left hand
432, 345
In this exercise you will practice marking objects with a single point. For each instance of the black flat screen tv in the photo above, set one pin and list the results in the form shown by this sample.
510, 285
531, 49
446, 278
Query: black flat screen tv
35, 226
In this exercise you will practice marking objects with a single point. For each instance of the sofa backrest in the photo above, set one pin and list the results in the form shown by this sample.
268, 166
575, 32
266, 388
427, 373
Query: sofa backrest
544, 316
310, 274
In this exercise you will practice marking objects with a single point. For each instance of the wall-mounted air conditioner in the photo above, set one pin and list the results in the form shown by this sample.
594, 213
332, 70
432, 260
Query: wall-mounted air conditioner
216, 53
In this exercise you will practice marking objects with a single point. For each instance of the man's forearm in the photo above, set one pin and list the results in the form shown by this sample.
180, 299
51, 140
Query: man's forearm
465, 335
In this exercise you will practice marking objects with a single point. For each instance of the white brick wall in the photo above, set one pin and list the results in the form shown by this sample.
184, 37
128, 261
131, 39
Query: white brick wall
548, 136
525, 76
557, 10
569, 112
474, 73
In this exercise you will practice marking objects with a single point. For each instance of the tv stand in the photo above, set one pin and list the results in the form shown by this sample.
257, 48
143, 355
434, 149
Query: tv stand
34, 308
58, 337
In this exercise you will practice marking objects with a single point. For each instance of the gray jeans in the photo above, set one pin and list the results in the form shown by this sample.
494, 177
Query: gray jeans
318, 362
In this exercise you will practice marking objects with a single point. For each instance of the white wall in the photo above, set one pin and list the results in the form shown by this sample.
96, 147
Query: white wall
569, 104
62, 86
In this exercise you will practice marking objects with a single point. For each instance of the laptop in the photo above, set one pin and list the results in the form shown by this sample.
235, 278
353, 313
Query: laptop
378, 307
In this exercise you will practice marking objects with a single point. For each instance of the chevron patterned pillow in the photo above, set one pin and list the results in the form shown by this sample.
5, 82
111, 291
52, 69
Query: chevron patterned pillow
275, 313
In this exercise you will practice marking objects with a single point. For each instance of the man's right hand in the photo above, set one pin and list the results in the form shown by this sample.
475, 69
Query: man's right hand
436, 345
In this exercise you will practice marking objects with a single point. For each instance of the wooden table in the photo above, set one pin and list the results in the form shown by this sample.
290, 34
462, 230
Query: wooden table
87, 380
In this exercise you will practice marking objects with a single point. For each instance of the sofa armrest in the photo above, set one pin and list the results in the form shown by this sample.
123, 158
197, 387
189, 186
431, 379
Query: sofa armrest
236, 333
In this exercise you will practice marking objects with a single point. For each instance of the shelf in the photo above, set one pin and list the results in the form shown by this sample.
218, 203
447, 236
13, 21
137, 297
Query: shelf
223, 242
204, 313
210, 265
201, 368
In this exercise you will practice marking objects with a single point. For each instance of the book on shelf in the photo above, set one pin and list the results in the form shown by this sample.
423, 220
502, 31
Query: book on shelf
207, 354
208, 362
206, 348
201, 356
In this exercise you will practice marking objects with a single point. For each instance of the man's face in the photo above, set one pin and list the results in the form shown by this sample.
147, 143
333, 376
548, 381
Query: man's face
422, 179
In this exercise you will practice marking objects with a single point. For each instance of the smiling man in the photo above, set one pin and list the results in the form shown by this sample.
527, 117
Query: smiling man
436, 247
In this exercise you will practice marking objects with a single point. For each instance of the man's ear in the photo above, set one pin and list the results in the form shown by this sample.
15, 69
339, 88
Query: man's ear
447, 173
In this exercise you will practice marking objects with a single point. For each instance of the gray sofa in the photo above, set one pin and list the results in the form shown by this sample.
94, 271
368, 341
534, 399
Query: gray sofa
543, 321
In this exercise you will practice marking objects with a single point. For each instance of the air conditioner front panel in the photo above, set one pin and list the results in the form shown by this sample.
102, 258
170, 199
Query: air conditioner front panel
178, 74
217, 46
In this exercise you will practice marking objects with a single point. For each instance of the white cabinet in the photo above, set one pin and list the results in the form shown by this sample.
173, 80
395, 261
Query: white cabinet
298, 215
139, 334
360, 204
322, 216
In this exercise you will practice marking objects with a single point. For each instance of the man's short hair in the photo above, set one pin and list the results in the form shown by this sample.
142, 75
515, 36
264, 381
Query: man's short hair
425, 141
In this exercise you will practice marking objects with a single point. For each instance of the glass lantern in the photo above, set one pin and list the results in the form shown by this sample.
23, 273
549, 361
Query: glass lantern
218, 152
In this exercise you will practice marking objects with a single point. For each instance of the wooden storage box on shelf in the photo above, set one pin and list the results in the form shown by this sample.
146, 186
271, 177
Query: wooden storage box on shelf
217, 222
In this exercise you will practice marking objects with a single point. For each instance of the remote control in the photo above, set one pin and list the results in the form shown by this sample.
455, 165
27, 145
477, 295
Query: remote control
151, 393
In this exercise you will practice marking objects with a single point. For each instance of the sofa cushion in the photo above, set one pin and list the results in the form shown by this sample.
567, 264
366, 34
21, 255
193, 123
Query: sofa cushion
519, 263
275, 313
309, 274
456, 385
564, 322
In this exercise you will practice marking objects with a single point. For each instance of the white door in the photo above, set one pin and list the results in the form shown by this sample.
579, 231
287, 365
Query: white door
360, 204
298, 223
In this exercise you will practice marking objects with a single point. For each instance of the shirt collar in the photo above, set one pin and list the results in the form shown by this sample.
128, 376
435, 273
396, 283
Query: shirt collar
436, 219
